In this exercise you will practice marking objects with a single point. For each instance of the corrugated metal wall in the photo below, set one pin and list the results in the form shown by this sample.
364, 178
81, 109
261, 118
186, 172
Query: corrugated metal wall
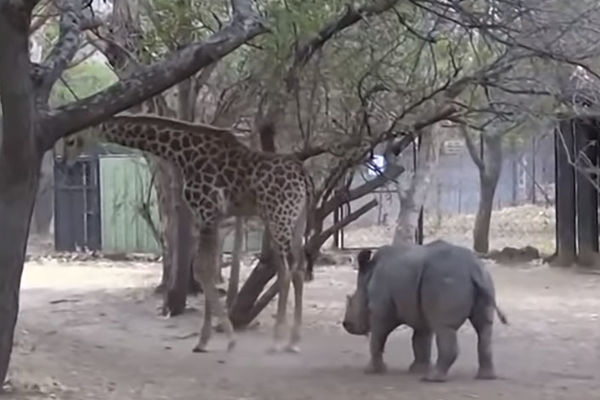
124, 186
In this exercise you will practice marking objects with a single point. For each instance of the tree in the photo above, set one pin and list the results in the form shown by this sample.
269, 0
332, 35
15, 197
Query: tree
489, 164
31, 127
83, 77
331, 85
413, 190
348, 89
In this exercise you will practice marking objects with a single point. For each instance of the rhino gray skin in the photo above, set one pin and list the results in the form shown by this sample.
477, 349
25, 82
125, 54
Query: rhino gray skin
433, 289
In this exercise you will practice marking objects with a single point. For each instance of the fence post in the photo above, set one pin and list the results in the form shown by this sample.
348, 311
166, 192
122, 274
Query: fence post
565, 193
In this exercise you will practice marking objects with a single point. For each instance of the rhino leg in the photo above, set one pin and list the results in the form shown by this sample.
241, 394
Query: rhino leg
447, 346
380, 330
421, 344
482, 320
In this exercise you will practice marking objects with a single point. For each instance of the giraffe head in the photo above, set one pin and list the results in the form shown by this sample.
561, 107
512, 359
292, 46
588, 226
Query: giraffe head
70, 147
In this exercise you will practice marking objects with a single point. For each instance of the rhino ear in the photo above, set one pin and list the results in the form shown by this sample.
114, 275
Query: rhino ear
363, 260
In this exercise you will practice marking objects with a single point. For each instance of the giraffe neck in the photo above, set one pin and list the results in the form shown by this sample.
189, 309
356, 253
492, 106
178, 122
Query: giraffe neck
136, 136
163, 137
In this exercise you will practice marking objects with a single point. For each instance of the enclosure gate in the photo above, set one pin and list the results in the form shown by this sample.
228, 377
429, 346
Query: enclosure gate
77, 222
576, 194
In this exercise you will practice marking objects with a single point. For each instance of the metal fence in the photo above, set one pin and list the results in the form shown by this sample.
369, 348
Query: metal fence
77, 205
522, 205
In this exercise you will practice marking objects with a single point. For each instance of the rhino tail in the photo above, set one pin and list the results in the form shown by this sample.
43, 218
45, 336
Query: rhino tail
500, 314
485, 284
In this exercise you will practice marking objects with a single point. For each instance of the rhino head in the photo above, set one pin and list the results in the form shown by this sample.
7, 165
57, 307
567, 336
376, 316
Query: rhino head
356, 317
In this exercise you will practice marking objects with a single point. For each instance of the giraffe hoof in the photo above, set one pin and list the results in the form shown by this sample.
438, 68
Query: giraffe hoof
231, 345
292, 348
486, 373
199, 349
276, 348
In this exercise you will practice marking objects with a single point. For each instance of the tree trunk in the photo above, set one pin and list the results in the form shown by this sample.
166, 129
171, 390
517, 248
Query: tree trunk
234, 272
408, 217
44, 202
533, 186
17, 196
241, 313
514, 162
586, 151
488, 181
413, 193
438, 202
183, 243
169, 218
481, 230
488, 161
566, 222
20, 162
244, 308
163, 194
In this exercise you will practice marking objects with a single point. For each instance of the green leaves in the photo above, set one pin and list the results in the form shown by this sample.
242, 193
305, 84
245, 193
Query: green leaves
169, 24
81, 81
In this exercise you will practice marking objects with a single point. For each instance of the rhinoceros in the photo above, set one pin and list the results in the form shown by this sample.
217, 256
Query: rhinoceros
433, 289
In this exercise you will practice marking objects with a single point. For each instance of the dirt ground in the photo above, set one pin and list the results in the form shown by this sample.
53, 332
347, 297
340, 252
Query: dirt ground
92, 331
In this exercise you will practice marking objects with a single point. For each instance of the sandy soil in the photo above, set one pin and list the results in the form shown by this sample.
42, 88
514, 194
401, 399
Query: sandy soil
92, 331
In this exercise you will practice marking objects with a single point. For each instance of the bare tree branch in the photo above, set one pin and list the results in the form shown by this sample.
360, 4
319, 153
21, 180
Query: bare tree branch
276, 101
81, 59
315, 242
391, 172
152, 80
69, 41
350, 16
445, 112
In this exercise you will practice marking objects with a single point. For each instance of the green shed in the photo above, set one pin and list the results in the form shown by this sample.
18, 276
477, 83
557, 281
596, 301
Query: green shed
125, 184
124, 187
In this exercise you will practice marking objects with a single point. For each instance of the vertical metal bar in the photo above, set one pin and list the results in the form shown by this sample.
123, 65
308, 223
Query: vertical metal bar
85, 182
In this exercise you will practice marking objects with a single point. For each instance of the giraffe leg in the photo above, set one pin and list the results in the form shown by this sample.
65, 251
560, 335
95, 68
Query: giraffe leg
203, 277
296, 264
206, 270
206, 331
298, 281
283, 281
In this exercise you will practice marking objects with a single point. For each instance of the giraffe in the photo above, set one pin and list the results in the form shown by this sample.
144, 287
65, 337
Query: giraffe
224, 178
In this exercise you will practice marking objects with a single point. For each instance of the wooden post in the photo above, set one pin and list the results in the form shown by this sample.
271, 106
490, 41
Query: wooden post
514, 169
419, 234
336, 235
533, 171
587, 196
341, 232
419, 231
565, 194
